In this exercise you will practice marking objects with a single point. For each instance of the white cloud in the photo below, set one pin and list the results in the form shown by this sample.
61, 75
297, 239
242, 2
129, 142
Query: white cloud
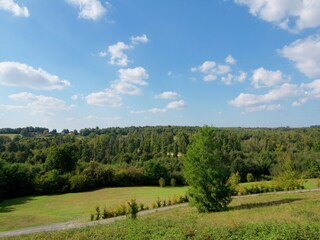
104, 98
14, 8
211, 70
266, 78
305, 53
117, 51
167, 95
278, 93
38, 103
17, 74
292, 15
157, 110
176, 105
139, 39
89, 9
230, 60
125, 88
136, 75
227, 79
117, 55
129, 79
102, 54
241, 77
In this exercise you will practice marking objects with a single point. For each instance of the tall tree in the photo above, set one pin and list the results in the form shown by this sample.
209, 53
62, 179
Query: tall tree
206, 172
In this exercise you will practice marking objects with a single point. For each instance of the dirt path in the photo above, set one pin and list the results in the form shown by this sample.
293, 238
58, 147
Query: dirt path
73, 224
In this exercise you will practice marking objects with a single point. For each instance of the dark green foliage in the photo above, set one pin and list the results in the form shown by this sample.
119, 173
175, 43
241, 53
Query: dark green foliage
98, 213
206, 171
154, 170
133, 208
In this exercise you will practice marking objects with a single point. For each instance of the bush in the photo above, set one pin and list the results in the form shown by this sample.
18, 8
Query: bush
133, 208
162, 182
250, 177
173, 182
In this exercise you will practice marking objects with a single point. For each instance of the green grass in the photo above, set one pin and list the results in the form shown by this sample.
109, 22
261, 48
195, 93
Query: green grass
285, 216
41, 210
12, 136
311, 183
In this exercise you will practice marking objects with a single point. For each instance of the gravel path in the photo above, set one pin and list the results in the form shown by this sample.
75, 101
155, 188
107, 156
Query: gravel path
73, 224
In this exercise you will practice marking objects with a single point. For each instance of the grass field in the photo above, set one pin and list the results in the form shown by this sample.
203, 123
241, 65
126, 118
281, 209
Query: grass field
41, 210
278, 216
9, 135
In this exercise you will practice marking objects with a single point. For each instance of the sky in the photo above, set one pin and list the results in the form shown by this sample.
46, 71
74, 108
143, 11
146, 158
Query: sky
226, 63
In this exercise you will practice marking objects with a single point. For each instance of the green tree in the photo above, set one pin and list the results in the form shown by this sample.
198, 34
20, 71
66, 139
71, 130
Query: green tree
206, 172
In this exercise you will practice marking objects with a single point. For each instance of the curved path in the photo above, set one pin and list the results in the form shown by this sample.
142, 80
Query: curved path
73, 224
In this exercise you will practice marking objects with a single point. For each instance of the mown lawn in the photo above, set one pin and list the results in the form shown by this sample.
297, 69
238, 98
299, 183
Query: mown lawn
278, 216
41, 210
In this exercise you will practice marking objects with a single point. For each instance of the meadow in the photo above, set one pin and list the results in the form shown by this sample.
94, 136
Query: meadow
277, 216
41, 210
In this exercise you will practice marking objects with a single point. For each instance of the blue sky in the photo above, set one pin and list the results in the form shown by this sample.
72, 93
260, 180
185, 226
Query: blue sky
227, 63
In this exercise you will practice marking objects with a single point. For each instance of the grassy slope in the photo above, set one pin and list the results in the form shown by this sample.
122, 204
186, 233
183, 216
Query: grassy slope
12, 136
285, 216
40, 210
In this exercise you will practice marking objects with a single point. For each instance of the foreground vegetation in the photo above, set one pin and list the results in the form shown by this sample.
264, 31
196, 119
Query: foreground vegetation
285, 216
41, 210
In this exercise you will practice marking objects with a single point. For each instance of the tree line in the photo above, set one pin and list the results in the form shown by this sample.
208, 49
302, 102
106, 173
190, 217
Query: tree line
39, 161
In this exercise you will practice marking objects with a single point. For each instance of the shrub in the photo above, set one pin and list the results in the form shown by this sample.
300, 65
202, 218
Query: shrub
162, 182
250, 177
133, 208
98, 214
233, 182
173, 182
158, 203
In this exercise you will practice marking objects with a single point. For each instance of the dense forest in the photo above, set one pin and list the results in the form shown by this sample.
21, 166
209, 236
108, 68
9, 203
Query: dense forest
39, 161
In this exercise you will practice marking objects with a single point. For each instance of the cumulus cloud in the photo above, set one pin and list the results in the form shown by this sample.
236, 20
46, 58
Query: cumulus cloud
177, 105
211, 70
17, 74
256, 102
167, 95
14, 8
266, 78
129, 79
89, 9
230, 60
139, 39
117, 51
305, 53
125, 88
291, 15
136, 75
36, 103
117, 55
106, 98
